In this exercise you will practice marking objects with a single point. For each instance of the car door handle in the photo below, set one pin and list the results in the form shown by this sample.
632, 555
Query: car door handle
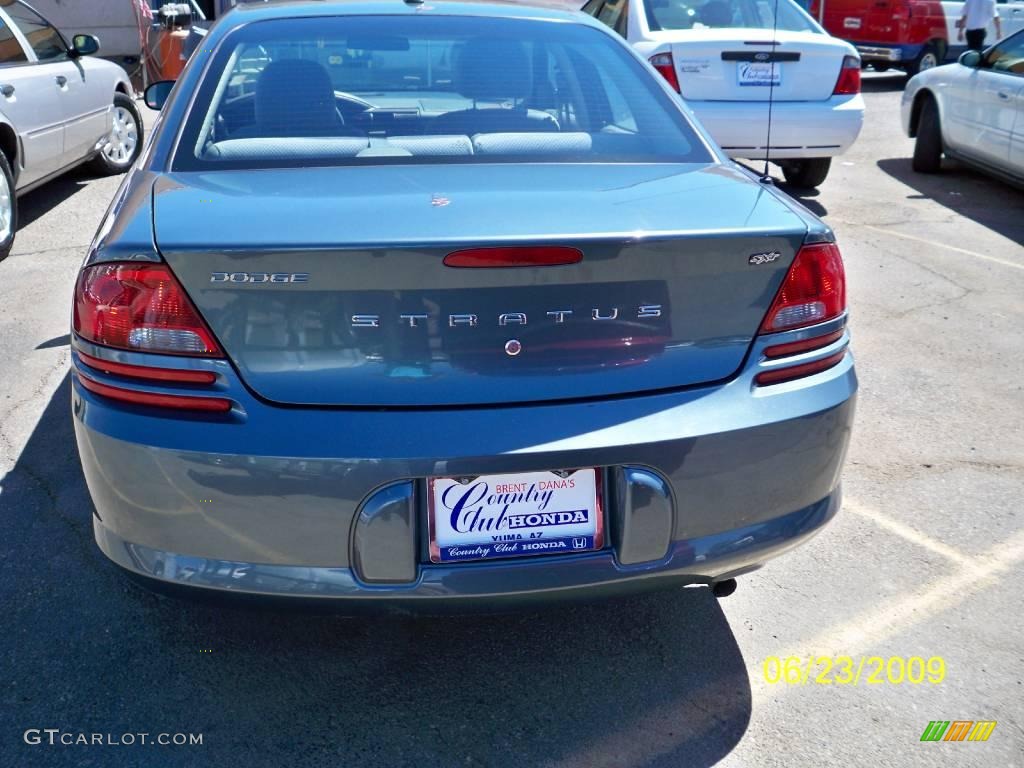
61, 80
1003, 95
7, 90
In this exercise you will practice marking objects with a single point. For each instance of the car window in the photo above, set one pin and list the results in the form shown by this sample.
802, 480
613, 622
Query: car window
41, 35
618, 106
429, 89
716, 14
622, 25
1008, 55
10, 49
611, 13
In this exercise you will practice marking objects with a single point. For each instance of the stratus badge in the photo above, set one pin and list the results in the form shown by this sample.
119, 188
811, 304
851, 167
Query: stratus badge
764, 258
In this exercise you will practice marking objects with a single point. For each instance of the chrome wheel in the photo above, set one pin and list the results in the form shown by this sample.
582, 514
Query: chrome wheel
6, 208
124, 136
928, 60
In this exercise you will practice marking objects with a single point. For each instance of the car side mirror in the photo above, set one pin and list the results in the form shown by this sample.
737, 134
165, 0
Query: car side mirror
970, 59
84, 45
156, 94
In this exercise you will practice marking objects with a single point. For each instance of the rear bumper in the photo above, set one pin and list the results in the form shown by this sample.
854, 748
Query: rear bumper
800, 129
482, 585
700, 484
895, 54
892, 54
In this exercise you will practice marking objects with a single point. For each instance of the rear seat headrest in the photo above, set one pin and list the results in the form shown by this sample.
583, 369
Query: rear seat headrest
531, 143
306, 148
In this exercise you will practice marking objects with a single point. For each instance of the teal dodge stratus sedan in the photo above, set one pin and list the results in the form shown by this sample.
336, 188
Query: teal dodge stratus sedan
412, 304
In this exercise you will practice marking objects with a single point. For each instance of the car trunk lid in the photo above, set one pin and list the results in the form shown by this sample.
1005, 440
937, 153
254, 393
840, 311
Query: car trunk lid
735, 64
328, 286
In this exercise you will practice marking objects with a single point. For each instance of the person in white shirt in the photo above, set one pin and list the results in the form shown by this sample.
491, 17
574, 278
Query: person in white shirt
975, 18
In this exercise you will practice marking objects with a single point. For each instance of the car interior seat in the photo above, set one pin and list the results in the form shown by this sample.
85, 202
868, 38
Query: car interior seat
294, 97
717, 13
498, 73
673, 14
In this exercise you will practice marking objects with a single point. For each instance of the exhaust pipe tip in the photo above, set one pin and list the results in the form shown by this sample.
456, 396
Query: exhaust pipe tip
723, 588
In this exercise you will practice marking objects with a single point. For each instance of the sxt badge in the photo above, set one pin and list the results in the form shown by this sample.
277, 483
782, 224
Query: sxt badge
764, 258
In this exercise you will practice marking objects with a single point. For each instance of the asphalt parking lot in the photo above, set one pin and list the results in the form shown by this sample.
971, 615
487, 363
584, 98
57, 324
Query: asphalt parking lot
924, 561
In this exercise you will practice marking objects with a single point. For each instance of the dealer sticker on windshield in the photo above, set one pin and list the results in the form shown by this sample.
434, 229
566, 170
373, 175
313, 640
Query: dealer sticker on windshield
496, 516
759, 73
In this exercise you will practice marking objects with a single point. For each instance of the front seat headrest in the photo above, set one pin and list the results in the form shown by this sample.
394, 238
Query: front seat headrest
295, 97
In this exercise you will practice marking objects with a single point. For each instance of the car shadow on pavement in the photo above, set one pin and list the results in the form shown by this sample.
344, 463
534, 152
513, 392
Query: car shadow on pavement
41, 201
803, 195
883, 82
654, 680
806, 196
967, 192
56, 341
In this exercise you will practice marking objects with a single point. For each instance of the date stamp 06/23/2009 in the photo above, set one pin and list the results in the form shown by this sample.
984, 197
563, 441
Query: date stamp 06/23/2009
854, 670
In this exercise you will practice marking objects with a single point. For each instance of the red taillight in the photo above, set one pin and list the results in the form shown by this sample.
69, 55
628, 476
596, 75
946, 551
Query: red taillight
139, 307
135, 397
144, 372
515, 256
848, 83
667, 67
813, 291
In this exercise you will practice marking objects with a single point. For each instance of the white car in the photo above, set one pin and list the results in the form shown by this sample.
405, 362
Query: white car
719, 55
58, 108
972, 111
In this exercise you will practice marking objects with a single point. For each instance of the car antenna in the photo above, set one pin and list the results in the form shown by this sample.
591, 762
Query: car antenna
765, 177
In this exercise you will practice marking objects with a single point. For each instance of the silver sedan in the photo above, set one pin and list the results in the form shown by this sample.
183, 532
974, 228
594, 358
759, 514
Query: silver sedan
971, 111
59, 108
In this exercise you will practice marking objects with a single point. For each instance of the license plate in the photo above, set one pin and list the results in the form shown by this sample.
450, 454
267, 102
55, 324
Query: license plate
518, 515
759, 73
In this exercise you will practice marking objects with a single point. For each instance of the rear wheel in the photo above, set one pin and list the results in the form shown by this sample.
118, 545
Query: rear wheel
806, 173
928, 146
930, 57
8, 208
124, 142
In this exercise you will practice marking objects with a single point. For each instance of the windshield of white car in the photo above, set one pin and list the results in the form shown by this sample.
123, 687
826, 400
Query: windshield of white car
723, 14
364, 90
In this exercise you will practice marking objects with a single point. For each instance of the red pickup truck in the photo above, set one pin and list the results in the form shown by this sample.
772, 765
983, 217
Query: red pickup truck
906, 34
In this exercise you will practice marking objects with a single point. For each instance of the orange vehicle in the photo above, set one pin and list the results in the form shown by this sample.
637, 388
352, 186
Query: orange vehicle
171, 52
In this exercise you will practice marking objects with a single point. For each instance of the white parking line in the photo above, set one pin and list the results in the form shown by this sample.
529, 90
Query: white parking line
910, 534
869, 628
661, 730
933, 243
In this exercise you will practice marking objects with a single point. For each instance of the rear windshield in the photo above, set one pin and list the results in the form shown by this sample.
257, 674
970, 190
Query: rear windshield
711, 14
441, 89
